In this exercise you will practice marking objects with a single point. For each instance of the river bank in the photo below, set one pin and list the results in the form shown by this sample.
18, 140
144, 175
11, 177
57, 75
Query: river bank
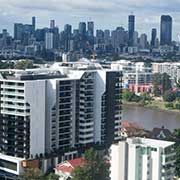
154, 105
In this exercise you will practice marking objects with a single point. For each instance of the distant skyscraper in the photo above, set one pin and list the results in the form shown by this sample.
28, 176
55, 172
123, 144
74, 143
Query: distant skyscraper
143, 41
67, 36
99, 36
107, 37
118, 39
166, 30
90, 28
135, 38
153, 37
18, 31
49, 40
131, 28
52, 24
82, 28
34, 23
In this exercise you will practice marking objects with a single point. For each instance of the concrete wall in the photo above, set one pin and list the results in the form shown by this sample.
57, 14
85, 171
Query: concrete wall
99, 89
35, 92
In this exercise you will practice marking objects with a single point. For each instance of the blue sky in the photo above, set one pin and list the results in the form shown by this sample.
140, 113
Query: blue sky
107, 14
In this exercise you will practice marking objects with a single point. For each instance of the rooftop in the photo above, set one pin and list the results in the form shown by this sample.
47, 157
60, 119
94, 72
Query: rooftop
70, 165
150, 142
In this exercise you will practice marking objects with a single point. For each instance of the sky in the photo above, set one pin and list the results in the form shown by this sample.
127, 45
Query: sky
107, 14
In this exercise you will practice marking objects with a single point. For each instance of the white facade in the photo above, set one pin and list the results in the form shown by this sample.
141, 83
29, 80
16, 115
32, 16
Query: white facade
11, 164
172, 69
49, 110
49, 40
141, 159
134, 73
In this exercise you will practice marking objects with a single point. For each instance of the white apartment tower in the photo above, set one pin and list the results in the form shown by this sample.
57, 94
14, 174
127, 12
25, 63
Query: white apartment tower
142, 159
70, 105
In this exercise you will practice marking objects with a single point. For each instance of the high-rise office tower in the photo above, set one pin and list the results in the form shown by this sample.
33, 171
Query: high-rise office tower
143, 41
18, 31
67, 36
82, 28
99, 36
90, 34
49, 37
135, 38
50, 110
118, 38
166, 30
107, 37
52, 24
153, 37
90, 30
131, 28
34, 23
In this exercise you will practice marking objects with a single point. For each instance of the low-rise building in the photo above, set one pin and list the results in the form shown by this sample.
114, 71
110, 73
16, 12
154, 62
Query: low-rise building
131, 129
65, 169
136, 76
172, 69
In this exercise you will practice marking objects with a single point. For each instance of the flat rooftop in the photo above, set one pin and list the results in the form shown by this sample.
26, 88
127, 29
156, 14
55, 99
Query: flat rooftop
150, 142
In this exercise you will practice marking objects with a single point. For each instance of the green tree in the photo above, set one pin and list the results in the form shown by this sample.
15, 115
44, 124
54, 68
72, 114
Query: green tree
157, 79
6, 65
130, 96
161, 80
166, 82
127, 95
176, 138
95, 167
157, 91
178, 84
24, 64
32, 174
52, 176
169, 96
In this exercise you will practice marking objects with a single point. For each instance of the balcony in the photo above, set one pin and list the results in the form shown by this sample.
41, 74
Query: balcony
4, 86
15, 113
12, 100
12, 93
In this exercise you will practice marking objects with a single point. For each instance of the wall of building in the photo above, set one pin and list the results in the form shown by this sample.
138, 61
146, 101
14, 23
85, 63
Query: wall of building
35, 96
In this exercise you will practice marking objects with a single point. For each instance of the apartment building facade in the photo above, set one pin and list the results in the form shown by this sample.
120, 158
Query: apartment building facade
63, 107
141, 158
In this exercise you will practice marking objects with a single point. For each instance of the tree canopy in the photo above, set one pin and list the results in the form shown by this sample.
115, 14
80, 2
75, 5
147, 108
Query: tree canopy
24, 64
95, 167
32, 174
169, 96
163, 81
178, 84
176, 138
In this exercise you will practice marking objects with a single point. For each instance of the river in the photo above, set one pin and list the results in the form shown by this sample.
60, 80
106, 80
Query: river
150, 118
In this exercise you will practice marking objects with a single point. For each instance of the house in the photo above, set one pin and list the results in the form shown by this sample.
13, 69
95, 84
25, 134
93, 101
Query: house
65, 169
131, 129
161, 133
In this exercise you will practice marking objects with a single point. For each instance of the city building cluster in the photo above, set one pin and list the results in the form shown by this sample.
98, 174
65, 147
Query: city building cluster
51, 42
50, 115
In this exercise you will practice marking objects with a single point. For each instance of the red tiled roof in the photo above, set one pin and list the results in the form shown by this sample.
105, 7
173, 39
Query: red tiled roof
64, 168
76, 162
70, 165
127, 124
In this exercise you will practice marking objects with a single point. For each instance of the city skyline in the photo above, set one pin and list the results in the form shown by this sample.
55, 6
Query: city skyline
105, 14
